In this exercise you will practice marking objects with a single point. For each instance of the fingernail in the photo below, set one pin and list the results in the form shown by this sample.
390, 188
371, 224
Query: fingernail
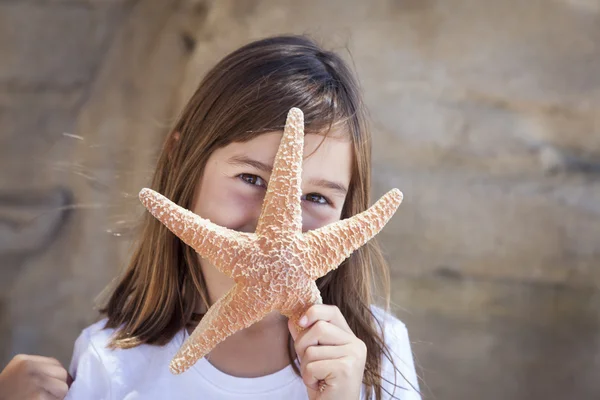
303, 321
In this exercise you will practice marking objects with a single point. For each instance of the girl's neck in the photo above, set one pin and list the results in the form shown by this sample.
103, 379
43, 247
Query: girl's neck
259, 350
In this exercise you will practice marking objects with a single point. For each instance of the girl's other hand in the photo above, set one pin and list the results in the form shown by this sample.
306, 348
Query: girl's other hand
34, 377
332, 358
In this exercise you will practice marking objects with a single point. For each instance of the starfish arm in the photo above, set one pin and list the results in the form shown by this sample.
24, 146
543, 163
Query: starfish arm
281, 209
221, 246
235, 311
328, 246
310, 296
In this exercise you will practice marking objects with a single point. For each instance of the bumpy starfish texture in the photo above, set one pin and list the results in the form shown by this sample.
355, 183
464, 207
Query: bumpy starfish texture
274, 268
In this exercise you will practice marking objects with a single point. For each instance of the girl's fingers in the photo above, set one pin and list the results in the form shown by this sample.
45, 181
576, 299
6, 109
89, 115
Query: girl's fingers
52, 375
314, 373
318, 353
324, 374
323, 312
37, 359
46, 396
55, 387
321, 333
54, 371
332, 358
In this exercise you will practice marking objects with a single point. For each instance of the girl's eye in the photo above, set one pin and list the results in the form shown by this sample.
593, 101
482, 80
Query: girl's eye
256, 180
316, 198
253, 180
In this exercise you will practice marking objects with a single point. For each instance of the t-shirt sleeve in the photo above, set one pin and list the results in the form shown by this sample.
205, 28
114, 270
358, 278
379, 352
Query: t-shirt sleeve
90, 379
399, 383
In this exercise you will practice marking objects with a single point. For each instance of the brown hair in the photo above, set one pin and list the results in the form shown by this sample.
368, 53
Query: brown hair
248, 93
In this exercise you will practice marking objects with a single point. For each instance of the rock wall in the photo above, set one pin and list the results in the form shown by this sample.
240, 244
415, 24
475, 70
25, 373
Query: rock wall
485, 114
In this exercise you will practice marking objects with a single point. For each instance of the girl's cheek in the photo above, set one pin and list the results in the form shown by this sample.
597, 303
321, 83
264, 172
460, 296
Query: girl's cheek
315, 219
309, 222
240, 211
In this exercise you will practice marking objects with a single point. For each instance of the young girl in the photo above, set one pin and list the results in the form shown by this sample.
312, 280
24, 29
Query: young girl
216, 162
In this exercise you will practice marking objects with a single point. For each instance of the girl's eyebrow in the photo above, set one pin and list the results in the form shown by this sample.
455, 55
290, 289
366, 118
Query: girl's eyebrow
250, 162
241, 160
324, 183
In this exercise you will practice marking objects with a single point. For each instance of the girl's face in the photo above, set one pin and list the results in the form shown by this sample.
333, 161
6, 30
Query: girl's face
232, 188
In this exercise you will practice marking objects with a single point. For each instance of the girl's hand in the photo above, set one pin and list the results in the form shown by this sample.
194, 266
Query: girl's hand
34, 377
332, 358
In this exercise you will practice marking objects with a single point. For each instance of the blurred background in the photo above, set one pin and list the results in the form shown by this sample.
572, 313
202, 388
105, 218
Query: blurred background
485, 113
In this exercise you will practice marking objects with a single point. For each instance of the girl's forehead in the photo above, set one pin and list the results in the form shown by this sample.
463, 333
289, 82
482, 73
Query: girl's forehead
266, 144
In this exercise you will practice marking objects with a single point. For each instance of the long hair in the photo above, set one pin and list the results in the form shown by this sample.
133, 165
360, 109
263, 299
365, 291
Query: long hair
246, 94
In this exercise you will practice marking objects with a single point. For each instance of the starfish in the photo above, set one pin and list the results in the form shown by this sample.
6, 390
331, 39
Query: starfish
274, 268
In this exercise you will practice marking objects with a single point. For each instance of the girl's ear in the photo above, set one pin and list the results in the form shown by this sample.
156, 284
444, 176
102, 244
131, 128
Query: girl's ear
172, 142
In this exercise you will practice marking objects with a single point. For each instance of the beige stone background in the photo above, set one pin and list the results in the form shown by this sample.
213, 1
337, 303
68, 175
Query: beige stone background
486, 115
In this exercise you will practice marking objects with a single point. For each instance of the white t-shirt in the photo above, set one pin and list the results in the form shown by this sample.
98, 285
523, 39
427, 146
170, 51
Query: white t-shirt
143, 372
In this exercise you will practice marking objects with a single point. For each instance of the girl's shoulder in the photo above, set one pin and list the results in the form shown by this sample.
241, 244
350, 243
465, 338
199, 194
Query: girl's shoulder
95, 335
95, 341
90, 359
389, 325
386, 317
399, 374
98, 368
